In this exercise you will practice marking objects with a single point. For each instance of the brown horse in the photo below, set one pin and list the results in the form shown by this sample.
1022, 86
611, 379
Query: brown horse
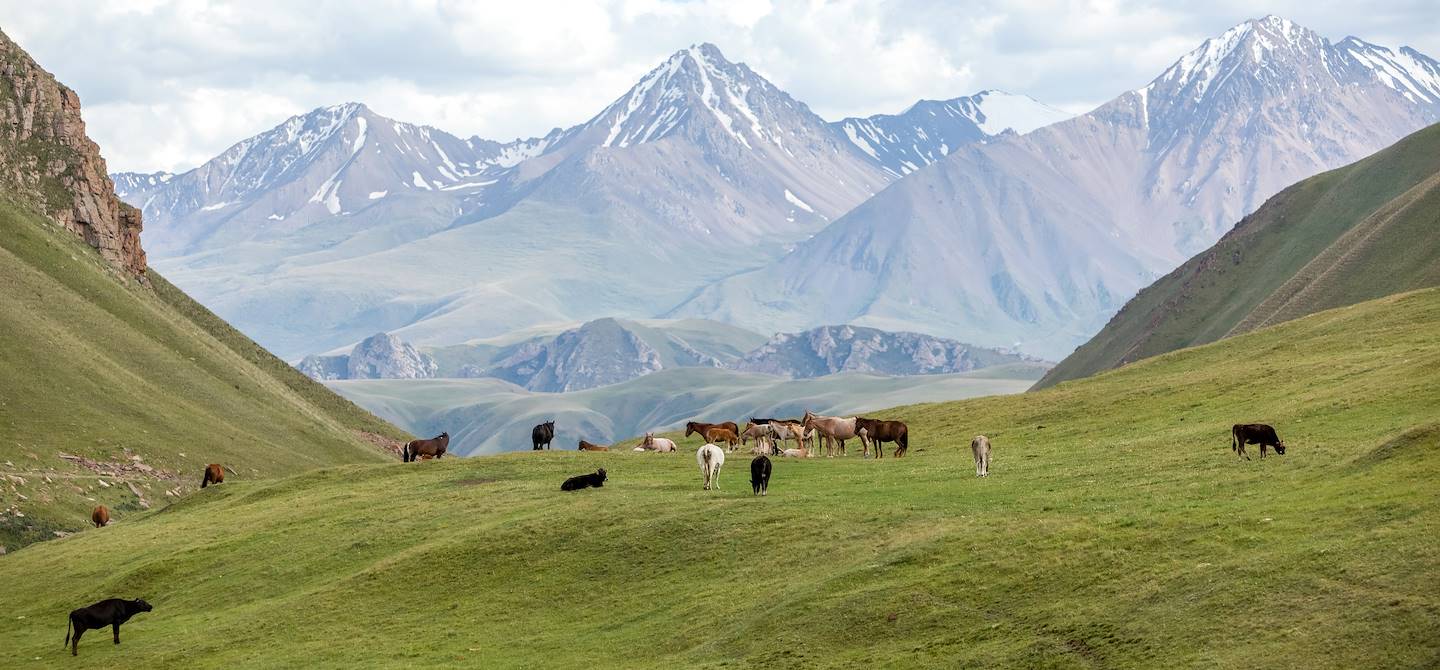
101, 516
587, 446
883, 431
214, 474
697, 428
434, 446
832, 429
718, 434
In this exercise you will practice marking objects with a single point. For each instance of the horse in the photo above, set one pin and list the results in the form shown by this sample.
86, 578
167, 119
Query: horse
980, 448
833, 429
789, 430
657, 444
587, 446
710, 458
697, 428
883, 431
542, 435
762, 433
214, 474
718, 434
434, 446
101, 516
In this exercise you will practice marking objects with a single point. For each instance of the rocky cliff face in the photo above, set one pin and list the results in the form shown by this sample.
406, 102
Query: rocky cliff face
599, 353
831, 349
380, 356
48, 162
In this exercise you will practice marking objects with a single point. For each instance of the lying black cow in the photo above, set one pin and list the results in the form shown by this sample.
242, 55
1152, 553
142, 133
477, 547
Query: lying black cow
760, 474
1254, 433
596, 479
111, 612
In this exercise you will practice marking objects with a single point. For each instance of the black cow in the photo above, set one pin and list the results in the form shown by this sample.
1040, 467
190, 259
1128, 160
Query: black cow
1242, 434
111, 612
542, 435
595, 479
760, 474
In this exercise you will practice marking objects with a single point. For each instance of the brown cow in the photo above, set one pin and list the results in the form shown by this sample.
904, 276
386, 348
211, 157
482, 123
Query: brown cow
882, 431
214, 474
587, 446
101, 516
1254, 433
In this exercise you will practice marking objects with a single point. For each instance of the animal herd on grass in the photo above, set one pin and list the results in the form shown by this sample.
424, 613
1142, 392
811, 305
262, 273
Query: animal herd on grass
768, 434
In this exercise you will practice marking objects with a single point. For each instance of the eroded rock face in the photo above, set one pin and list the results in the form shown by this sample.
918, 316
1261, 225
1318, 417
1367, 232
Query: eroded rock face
325, 368
831, 349
383, 356
48, 162
599, 353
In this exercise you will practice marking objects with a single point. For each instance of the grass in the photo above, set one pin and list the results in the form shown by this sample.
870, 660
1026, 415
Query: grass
1116, 530
102, 367
1360, 232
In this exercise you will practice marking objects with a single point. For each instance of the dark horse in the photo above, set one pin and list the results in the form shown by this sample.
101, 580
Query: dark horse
878, 431
434, 446
541, 435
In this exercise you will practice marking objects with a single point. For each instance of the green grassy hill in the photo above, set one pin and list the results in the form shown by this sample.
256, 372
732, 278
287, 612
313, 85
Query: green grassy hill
1363, 231
1116, 530
486, 416
124, 375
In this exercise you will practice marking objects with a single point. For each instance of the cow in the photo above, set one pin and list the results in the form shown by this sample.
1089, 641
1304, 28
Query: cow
111, 612
542, 435
710, 457
980, 447
1242, 434
760, 474
595, 479
101, 516
434, 446
214, 474
587, 446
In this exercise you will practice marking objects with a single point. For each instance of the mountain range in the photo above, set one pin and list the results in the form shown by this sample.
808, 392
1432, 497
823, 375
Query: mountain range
705, 191
340, 222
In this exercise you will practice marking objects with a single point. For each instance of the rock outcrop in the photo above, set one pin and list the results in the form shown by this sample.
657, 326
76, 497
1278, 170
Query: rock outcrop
598, 353
383, 356
48, 162
831, 349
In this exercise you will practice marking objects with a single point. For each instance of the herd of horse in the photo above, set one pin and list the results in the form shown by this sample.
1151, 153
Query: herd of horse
816, 429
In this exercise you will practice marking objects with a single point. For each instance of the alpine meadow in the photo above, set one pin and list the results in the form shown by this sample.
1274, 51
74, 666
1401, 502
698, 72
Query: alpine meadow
849, 335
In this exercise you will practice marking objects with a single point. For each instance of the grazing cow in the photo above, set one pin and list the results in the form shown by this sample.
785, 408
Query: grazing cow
710, 458
595, 479
101, 516
541, 435
833, 429
586, 446
657, 444
111, 612
1242, 434
980, 447
697, 428
760, 474
883, 431
720, 434
214, 474
434, 446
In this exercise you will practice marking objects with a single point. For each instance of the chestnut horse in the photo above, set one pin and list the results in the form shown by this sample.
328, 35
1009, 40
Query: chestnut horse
718, 434
587, 446
434, 446
697, 428
883, 431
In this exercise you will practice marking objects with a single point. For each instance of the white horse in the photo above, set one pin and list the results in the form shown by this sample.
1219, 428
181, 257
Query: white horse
657, 444
980, 447
710, 458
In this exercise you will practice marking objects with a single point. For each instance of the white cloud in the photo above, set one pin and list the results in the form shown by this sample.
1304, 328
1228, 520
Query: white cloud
168, 84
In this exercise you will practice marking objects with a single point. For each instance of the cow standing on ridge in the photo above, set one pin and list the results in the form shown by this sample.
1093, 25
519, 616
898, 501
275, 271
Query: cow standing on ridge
542, 435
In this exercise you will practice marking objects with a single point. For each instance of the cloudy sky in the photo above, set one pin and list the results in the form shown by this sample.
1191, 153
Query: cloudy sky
168, 85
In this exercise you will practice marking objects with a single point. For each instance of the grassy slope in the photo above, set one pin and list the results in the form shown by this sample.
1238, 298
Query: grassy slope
1364, 231
1116, 530
93, 367
490, 416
